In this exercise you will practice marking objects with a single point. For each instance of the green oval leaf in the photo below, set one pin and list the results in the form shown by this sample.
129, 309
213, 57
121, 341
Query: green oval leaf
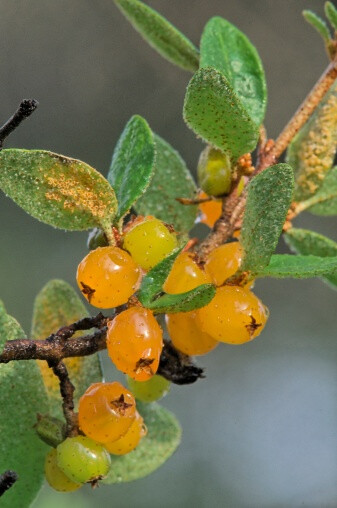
305, 242
160, 34
162, 439
318, 24
171, 180
132, 163
324, 202
215, 113
300, 267
65, 193
268, 201
55, 306
228, 50
331, 13
22, 396
183, 302
152, 296
312, 151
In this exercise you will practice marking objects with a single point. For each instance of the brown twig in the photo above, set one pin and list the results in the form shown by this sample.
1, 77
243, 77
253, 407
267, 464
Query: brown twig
67, 393
7, 480
25, 109
175, 367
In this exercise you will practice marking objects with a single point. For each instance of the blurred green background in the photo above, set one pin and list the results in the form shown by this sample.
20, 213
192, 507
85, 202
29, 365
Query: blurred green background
260, 431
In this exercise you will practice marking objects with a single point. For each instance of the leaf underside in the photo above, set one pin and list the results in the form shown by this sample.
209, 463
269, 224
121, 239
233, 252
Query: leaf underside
22, 397
312, 151
325, 200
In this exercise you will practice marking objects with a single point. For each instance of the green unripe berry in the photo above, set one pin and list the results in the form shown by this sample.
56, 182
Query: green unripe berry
55, 477
149, 391
214, 172
82, 459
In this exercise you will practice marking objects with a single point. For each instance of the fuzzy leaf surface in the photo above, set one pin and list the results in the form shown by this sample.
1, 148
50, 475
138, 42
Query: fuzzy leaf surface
152, 296
305, 242
57, 305
22, 396
312, 151
268, 201
132, 163
324, 202
62, 192
162, 439
225, 48
300, 267
160, 34
171, 180
215, 113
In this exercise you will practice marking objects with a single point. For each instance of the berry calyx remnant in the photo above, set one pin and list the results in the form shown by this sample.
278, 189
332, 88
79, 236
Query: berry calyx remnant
107, 277
135, 342
106, 411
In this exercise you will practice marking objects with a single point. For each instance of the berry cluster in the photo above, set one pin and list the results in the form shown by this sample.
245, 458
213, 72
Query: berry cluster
234, 316
111, 425
108, 277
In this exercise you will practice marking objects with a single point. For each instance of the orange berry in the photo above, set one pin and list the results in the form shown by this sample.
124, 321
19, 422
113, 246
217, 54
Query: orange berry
186, 336
235, 315
223, 262
185, 275
130, 440
134, 342
149, 242
210, 210
106, 411
107, 277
